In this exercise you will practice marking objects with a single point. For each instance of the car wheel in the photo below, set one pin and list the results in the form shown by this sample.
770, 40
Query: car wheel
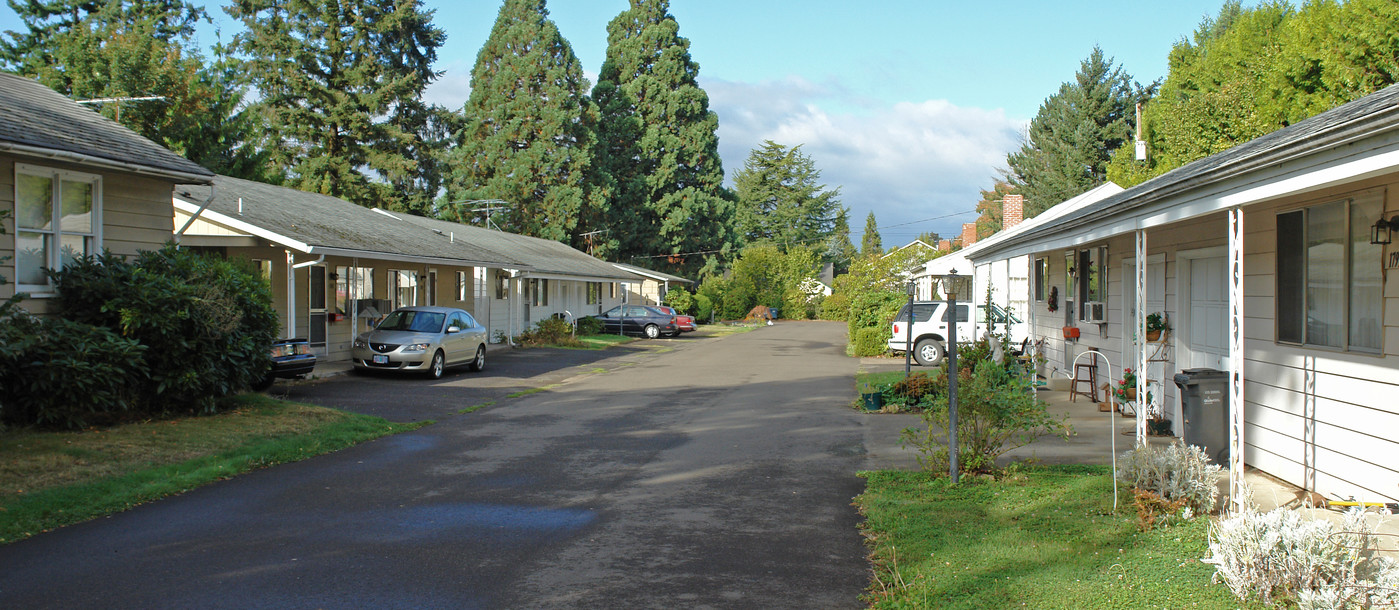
480, 362
262, 385
439, 364
652, 331
928, 352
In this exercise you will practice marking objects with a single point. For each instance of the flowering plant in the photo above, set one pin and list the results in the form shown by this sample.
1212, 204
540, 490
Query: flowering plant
1127, 388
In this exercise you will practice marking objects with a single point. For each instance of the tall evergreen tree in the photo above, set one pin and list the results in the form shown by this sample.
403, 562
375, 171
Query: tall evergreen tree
49, 23
870, 243
780, 198
839, 251
530, 137
1075, 133
658, 144
334, 80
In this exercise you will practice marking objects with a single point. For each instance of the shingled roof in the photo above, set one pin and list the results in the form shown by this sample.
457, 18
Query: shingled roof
321, 224
1367, 116
542, 256
37, 121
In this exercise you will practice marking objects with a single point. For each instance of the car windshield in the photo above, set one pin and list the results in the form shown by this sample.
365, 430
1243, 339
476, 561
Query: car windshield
417, 321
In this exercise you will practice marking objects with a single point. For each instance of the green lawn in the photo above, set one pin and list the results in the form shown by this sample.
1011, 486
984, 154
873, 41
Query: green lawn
52, 479
872, 382
1043, 539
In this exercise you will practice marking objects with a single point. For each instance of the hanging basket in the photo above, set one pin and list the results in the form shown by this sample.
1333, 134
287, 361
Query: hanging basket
1153, 335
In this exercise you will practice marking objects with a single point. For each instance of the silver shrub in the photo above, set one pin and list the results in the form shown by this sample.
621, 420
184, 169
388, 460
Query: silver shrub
1314, 562
1175, 472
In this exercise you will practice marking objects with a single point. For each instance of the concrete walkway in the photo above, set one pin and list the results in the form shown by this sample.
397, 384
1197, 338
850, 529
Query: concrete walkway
1093, 443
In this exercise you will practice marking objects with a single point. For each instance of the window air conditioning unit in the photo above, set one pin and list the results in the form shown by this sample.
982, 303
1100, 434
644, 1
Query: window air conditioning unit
1095, 312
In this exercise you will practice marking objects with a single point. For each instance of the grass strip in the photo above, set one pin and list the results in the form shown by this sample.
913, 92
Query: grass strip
872, 382
476, 407
531, 391
1044, 538
52, 479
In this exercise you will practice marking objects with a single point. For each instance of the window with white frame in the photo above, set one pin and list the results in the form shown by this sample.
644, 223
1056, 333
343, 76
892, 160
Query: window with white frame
463, 286
1330, 284
1041, 279
403, 288
539, 292
502, 284
482, 283
352, 284
58, 219
594, 293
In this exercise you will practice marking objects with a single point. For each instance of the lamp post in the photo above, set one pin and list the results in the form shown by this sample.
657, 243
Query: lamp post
908, 332
952, 285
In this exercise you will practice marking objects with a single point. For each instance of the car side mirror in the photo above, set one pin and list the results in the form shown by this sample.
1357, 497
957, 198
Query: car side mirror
453, 329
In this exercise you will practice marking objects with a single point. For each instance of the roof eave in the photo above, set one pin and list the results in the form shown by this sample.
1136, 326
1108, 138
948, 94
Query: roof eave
178, 177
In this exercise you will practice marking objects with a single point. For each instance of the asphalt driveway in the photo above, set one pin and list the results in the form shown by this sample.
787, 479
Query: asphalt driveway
704, 473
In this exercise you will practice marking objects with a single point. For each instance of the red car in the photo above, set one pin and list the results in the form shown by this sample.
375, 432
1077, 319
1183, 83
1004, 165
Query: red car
684, 322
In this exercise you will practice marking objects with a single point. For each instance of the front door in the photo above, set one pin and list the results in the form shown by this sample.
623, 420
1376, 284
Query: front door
1208, 324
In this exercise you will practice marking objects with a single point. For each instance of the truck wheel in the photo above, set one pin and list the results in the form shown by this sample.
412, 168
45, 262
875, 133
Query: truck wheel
928, 352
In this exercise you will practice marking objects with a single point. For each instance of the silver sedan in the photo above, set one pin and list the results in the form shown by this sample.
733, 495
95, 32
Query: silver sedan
422, 339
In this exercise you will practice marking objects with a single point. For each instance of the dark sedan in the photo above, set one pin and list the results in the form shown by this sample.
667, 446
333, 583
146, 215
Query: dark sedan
291, 359
648, 322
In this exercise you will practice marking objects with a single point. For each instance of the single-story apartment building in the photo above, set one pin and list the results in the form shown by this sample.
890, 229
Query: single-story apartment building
335, 267
1270, 262
75, 183
652, 288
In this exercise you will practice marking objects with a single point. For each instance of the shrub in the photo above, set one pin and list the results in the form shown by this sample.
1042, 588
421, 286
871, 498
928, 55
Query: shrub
996, 412
206, 323
704, 309
1176, 475
916, 391
681, 300
835, 307
551, 331
874, 310
871, 342
62, 374
589, 326
1315, 563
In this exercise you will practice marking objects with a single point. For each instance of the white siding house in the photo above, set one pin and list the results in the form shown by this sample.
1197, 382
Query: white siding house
1262, 260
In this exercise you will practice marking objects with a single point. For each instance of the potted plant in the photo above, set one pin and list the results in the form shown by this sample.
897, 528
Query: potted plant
1126, 389
1156, 325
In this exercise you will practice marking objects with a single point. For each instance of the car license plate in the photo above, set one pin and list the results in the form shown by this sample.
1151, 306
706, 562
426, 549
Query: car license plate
381, 359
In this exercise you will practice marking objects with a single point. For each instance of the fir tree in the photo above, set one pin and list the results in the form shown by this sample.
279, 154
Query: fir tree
48, 25
1075, 133
870, 244
530, 135
839, 251
658, 144
335, 79
780, 199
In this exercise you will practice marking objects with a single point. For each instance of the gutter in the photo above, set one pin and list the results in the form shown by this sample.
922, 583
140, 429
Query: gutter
72, 157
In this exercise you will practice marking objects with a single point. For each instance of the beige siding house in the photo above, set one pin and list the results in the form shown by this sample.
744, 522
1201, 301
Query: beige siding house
652, 287
335, 266
75, 183
1271, 263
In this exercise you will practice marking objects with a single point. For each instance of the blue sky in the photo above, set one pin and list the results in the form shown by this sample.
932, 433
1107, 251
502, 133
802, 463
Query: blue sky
909, 107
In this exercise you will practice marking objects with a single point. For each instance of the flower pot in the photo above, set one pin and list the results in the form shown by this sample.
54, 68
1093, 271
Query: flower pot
1153, 335
872, 401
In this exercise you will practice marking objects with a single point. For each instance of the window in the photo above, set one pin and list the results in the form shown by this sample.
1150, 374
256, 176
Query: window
352, 284
1329, 281
432, 287
612, 290
539, 292
57, 221
626, 291
1041, 279
502, 284
463, 286
403, 288
594, 293
1086, 284
481, 283
964, 313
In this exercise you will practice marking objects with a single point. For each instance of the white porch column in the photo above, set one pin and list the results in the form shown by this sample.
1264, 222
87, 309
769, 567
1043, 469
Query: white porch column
1139, 333
1236, 358
291, 295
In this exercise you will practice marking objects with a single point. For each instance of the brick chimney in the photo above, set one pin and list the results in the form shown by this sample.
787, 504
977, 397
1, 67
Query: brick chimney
945, 245
968, 234
1012, 210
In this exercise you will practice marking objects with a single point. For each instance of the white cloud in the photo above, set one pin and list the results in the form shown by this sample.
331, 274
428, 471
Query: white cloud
906, 162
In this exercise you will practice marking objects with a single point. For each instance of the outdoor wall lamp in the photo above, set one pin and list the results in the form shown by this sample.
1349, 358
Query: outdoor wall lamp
1380, 232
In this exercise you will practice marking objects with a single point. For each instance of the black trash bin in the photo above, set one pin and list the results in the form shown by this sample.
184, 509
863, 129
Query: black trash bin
1204, 401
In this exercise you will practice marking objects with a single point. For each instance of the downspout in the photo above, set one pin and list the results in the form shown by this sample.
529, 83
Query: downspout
195, 216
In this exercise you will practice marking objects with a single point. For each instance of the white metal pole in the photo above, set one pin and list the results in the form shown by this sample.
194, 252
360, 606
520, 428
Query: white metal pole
1139, 323
1236, 358
291, 295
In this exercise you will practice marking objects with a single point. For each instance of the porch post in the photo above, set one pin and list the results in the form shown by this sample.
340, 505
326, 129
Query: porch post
1033, 361
291, 295
1139, 326
1236, 359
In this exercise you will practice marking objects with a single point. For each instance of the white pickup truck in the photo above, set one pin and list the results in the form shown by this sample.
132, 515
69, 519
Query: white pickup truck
929, 336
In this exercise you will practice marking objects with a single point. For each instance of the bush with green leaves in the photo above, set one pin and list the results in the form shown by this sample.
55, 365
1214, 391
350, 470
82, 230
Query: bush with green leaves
62, 374
681, 300
704, 309
206, 323
871, 342
835, 307
550, 331
996, 412
589, 326
1281, 555
1172, 472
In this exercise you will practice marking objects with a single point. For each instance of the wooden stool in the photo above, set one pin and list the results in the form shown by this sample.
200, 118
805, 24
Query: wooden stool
1085, 373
